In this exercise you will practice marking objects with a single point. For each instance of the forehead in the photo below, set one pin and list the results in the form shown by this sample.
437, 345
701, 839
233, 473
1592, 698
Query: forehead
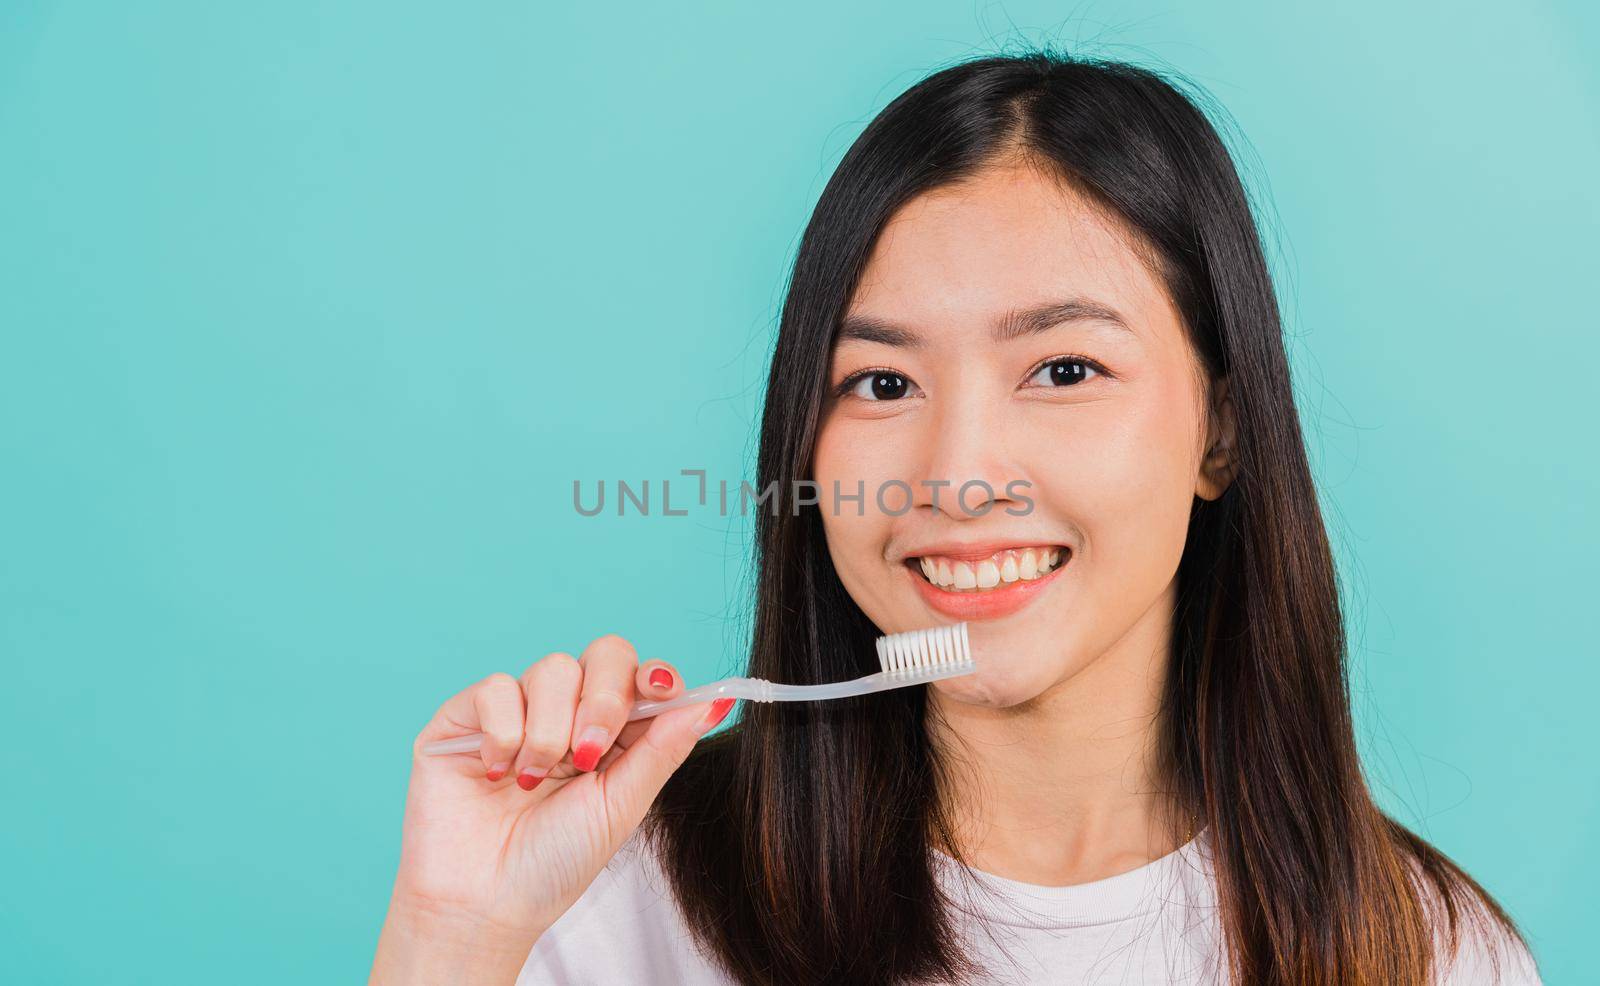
952, 258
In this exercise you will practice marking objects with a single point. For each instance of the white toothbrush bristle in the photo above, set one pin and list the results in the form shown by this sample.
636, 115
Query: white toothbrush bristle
934, 647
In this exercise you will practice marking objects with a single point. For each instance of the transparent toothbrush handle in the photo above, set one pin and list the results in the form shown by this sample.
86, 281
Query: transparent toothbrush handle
753, 689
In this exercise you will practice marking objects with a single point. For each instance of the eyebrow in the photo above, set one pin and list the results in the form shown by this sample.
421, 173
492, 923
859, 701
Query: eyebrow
1012, 325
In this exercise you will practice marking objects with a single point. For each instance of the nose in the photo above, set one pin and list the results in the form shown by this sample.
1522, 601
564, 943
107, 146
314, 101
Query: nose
964, 467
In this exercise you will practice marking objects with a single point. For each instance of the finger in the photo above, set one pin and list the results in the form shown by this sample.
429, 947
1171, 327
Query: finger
634, 780
609, 665
499, 705
457, 717
655, 680
551, 687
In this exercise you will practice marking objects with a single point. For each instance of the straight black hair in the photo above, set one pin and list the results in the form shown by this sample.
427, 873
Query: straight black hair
797, 841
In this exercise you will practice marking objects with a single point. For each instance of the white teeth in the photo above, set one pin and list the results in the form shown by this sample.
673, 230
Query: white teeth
988, 574
1003, 567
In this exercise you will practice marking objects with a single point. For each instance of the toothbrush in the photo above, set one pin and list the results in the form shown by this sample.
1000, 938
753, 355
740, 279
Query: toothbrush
914, 657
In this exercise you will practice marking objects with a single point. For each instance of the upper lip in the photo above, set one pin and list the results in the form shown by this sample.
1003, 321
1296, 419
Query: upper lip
977, 550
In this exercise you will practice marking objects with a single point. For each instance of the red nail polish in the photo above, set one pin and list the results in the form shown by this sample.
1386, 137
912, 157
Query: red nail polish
719, 711
586, 756
495, 775
661, 678
528, 782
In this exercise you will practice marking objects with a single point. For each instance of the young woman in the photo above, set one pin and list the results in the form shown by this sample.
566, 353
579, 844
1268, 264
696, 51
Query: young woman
1036, 279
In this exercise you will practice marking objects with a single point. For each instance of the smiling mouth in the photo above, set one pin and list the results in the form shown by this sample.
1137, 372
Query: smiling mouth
999, 570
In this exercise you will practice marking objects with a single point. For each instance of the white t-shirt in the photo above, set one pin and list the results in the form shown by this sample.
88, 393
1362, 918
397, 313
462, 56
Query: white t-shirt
1156, 924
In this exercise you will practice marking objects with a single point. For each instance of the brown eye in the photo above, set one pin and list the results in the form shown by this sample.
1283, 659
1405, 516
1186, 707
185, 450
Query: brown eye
879, 385
888, 386
1064, 371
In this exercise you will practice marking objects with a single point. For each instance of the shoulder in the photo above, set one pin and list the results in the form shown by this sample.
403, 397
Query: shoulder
1485, 948
1486, 953
626, 928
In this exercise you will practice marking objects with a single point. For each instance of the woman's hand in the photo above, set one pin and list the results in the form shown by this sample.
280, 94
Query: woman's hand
496, 846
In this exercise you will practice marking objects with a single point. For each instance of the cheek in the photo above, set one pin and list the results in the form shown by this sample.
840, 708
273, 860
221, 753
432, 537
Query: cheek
865, 456
1122, 474
860, 459
1113, 476
852, 449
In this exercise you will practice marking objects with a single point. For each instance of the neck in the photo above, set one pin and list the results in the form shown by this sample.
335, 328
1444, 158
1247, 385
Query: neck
1067, 787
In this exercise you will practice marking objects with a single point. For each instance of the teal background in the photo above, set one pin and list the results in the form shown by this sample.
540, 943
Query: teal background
311, 313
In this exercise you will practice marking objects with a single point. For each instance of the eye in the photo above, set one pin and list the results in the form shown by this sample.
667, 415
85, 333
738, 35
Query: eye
878, 385
1065, 371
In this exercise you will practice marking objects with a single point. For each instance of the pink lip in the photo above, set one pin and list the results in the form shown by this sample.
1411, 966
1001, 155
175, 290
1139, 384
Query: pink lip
990, 605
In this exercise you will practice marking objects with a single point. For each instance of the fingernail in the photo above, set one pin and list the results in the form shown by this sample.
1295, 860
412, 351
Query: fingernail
498, 771
719, 712
591, 743
661, 678
529, 779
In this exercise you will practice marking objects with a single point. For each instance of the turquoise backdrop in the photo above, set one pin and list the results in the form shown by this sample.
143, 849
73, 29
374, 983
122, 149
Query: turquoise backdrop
310, 313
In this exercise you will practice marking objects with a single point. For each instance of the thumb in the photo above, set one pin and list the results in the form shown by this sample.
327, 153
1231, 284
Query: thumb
634, 780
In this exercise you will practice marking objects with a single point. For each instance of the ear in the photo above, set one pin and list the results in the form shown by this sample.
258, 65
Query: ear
1219, 462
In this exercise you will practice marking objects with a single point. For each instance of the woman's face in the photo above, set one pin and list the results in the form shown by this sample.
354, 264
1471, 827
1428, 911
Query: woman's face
1088, 422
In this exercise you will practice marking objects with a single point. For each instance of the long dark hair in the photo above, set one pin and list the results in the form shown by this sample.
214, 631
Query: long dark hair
796, 841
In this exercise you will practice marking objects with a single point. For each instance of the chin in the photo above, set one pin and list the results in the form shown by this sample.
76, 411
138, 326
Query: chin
993, 685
